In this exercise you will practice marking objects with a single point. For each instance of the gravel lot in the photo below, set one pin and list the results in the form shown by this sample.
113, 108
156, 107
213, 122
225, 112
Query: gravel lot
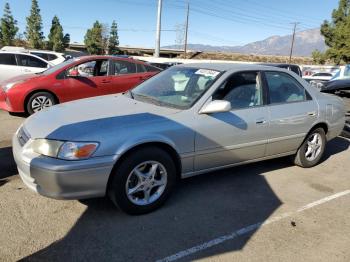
205, 213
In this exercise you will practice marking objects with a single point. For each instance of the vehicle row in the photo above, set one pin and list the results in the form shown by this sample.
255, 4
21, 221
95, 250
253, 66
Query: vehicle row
74, 79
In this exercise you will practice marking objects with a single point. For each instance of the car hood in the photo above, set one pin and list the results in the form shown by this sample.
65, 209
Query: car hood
21, 78
75, 120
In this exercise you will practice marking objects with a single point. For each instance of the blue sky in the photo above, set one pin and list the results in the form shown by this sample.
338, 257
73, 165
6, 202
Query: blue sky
214, 22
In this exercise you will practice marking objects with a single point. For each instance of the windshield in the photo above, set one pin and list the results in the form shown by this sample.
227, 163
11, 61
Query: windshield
57, 67
336, 75
178, 87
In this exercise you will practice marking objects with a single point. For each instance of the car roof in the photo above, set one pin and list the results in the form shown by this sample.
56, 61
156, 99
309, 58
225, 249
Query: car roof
231, 66
278, 64
88, 57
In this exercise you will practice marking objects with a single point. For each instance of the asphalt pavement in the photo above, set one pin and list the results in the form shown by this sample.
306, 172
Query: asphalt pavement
267, 211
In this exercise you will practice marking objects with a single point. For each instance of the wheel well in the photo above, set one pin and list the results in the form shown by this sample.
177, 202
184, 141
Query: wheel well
172, 152
324, 126
37, 91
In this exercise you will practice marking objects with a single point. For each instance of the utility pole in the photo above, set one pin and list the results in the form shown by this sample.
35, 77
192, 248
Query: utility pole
186, 29
292, 44
159, 21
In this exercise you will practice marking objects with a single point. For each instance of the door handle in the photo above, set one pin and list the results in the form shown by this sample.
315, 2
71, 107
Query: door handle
311, 113
105, 81
260, 121
27, 70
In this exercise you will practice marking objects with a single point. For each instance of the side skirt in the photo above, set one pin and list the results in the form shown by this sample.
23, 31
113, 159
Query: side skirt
195, 173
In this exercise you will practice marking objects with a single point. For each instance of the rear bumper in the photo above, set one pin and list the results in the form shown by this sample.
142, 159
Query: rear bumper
61, 179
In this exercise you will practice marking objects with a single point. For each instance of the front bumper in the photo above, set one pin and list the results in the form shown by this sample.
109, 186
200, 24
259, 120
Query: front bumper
3, 101
62, 179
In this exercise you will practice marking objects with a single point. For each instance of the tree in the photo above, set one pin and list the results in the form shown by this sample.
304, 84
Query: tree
66, 40
8, 27
337, 33
318, 57
113, 41
34, 32
94, 40
20, 41
56, 38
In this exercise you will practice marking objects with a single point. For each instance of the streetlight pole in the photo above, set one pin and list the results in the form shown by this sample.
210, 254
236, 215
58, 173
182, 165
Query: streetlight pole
186, 30
292, 44
159, 21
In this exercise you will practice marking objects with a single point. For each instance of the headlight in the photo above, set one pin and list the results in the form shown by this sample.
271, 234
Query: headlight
64, 150
10, 85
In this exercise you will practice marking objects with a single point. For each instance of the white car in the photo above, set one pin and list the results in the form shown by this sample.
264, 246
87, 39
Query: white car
320, 76
13, 64
54, 58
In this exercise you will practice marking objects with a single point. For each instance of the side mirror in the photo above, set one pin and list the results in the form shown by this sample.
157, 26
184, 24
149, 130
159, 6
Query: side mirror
216, 106
73, 73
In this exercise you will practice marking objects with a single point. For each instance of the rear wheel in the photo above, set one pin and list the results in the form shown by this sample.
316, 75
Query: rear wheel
39, 101
143, 181
312, 149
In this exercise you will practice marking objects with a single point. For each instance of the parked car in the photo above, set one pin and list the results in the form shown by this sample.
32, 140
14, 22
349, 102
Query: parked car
14, 64
164, 65
74, 79
342, 73
291, 67
54, 58
133, 147
340, 86
320, 76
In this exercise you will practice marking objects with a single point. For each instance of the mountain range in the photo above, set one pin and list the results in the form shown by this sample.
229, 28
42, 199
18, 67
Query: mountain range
305, 42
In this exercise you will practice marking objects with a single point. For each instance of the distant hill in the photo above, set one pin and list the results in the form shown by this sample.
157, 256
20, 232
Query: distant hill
305, 42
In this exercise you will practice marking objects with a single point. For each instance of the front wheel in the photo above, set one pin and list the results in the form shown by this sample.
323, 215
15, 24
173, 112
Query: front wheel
310, 152
39, 101
143, 181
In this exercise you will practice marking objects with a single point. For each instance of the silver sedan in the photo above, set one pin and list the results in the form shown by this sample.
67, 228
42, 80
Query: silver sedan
185, 121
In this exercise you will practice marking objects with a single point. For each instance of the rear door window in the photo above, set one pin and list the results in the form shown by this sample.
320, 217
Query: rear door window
7, 59
123, 67
51, 57
41, 55
30, 61
140, 68
284, 88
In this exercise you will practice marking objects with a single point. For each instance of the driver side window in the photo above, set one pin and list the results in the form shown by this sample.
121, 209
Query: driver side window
91, 68
242, 90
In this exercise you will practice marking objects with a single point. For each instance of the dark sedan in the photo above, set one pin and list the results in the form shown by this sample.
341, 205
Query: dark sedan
341, 86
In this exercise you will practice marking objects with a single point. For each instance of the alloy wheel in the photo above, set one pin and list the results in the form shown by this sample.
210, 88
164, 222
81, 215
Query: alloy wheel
314, 147
41, 102
146, 183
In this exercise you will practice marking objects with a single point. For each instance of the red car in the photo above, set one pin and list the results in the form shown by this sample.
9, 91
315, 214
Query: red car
74, 79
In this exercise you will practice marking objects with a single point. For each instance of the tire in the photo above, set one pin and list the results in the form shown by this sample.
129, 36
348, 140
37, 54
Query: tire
126, 177
38, 101
310, 154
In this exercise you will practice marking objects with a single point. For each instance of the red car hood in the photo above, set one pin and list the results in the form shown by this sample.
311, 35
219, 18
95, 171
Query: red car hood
21, 78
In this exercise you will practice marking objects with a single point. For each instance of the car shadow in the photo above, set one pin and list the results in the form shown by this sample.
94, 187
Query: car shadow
202, 208
335, 146
7, 163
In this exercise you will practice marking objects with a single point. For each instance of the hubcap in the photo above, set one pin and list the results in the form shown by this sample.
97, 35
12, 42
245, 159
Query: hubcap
41, 102
314, 147
146, 183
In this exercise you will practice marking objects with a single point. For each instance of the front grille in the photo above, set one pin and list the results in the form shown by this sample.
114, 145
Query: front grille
22, 136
